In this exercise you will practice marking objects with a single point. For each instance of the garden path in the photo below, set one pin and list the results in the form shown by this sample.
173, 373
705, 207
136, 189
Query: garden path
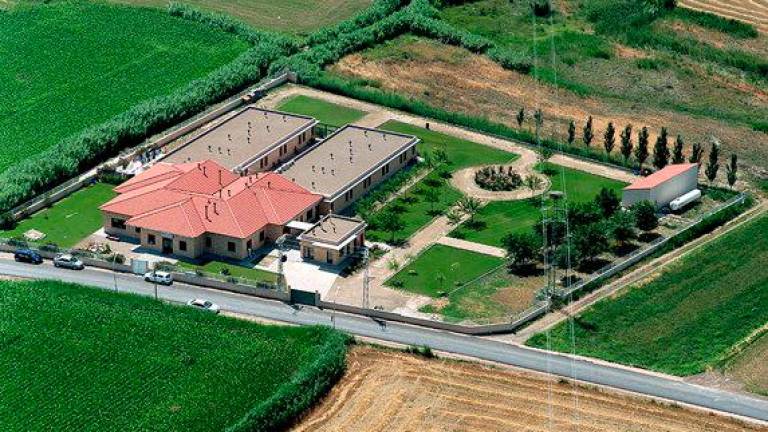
473, 247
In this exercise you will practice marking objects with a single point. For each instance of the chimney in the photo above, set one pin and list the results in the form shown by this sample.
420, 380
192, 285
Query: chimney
229, 152
313, 185
331, 156
210, 149
229, 137
313, 168
333, 172
350, 159
322, 170
267, 128
219, 150
284, 119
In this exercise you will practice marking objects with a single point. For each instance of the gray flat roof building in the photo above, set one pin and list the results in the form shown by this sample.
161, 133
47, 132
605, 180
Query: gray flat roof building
346, 158
333, 231
239, 140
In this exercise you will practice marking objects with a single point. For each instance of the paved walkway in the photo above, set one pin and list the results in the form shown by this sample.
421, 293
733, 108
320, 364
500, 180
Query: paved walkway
349, 290
472, 246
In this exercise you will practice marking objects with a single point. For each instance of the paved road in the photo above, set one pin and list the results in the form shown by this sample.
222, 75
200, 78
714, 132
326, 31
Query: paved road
584, 370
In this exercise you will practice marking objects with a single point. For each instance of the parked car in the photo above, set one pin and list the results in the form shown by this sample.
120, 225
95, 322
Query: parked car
28, 256
162, 278
204, 305
68, 261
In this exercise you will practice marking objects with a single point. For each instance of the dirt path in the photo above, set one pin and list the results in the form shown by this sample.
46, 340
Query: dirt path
391, 391
473, 247
376, 115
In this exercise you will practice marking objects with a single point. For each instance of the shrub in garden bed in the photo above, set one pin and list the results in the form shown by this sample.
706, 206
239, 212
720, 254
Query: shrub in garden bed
501, 179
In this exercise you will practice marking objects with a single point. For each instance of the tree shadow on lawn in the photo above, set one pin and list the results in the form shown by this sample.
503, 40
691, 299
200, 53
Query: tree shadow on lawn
648, 237
625, 249
476, 225
593, 265
526, 270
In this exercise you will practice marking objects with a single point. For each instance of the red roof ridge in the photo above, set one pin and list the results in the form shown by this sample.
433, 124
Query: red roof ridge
663, 175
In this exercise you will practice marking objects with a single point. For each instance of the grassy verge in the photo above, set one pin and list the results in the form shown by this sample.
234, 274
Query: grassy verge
689, 317
70, 220
145, 365
441, 269
323, 111
232, 270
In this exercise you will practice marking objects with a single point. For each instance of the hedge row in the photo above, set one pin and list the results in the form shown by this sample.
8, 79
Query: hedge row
228, 24
389, 99
296, 396
76, 154
380, 10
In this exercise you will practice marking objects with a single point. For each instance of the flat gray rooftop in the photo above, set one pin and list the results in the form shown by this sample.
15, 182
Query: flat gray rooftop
241, 137
345, 158
333, 229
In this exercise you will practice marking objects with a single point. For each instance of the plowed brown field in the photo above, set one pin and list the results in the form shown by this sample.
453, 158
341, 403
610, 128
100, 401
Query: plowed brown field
392, 391
754, 12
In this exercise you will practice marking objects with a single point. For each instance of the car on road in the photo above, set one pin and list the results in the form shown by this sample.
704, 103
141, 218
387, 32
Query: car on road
162, 278
68, 261
204, 305
27, 256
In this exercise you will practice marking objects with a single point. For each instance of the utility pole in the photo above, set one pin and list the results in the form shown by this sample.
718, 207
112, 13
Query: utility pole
366, 279
281, 257
114, 270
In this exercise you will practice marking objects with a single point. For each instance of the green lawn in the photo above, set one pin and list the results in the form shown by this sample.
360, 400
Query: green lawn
416, 213
71, 65
325, 112
238, 271
95, 360
288, 16
70, 220
499, 218
457, 265
688, 318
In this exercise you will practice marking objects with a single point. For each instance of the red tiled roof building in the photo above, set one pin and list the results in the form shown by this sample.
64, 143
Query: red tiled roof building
202, 208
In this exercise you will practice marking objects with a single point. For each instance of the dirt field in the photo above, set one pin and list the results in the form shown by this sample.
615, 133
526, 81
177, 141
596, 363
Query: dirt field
751, 366
754, 12
391, 391
456, 80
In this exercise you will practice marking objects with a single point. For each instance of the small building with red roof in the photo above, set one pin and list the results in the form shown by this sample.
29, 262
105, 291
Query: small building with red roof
663, 186
194, 209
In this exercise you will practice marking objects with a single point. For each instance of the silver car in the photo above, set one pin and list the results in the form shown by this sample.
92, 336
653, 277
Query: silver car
162, 278
68, 261
204, 305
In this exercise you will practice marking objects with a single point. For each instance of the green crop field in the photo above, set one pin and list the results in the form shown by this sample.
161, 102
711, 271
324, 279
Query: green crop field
499, 218
77, 358
289, 16
458, 266
688, 318
70, 220
85, 63
459, 153
324, 112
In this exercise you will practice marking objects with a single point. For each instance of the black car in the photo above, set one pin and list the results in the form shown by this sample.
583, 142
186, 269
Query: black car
28, 256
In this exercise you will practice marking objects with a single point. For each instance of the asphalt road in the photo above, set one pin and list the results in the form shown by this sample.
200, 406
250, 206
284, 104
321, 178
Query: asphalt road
669, 388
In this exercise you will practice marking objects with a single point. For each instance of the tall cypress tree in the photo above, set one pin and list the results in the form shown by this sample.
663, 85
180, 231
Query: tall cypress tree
714, 164
641, 152
609, 138
678, 156
588, 133
626, 142
661, 150
571, 132
697, 154
731, 170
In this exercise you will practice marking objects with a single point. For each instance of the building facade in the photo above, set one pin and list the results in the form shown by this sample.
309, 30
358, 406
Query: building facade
349, 163
662, 186
197, 209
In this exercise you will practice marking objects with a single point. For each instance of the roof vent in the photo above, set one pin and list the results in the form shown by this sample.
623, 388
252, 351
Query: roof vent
322, 170
267, 128
333, 172
229, 137
350, 159
284, 119
210, 149
369, 147
219, 150
229, 152
331, 156
313, 168
313, 185
365, 132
